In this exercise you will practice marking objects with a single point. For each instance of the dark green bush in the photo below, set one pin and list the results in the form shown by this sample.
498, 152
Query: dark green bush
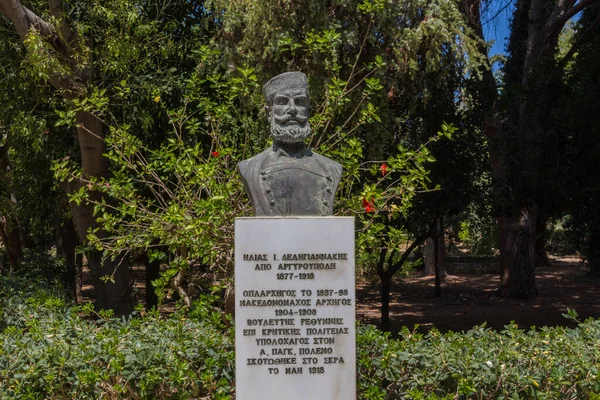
52, 349
545, 363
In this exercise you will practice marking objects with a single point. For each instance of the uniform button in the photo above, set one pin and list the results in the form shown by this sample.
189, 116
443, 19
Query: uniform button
263, 173
264, 178
272, 202
268, 190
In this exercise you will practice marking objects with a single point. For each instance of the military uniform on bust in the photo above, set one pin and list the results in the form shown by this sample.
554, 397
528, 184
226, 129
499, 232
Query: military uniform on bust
290, 179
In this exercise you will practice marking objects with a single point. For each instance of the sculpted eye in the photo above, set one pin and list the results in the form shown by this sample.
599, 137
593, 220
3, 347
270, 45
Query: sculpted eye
301, 101
281, 100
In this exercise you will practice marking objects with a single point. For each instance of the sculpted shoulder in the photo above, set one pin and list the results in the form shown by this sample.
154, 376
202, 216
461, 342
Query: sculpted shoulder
332, 166
246, 166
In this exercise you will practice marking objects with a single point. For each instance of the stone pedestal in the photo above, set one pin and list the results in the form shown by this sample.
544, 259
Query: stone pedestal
295, 308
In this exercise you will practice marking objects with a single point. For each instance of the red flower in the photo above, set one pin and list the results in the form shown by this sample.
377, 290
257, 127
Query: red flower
369, 205
215, 154
383, 169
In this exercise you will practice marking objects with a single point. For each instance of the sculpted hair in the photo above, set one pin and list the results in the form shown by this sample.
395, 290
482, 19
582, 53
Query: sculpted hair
287, 80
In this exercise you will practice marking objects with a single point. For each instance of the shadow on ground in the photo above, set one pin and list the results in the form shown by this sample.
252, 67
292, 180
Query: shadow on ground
469, 299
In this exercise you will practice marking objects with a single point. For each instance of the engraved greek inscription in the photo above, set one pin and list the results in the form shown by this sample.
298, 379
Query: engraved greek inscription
282, 341
326, 331
262, 267
307, 351
255, 257
321, 321
281, 332
296, 370
271, 361
287, 351
333, 360
333, 302
324, 340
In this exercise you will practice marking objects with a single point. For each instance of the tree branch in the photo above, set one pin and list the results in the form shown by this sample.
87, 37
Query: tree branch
24, 19
380, 265
56, 10
396, 267
580, 40
574, 10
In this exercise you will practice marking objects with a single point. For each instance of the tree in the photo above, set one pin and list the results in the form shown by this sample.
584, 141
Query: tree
421, 48
66, 59
105, 63
517, 150
577, 120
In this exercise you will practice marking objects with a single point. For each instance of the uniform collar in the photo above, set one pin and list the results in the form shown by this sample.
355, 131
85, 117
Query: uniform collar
298, 150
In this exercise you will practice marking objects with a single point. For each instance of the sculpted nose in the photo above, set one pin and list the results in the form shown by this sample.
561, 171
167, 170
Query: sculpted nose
292, 109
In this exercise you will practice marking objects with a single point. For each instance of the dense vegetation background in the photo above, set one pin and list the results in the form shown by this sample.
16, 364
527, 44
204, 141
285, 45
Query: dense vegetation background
122, 122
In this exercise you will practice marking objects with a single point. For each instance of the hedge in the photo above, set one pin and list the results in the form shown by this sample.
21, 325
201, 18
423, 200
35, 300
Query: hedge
50, 348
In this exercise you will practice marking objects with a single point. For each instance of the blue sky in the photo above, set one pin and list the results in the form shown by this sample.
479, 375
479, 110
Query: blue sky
497, 28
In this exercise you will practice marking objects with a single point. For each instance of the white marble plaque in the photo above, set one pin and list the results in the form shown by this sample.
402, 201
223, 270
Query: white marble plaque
295, 308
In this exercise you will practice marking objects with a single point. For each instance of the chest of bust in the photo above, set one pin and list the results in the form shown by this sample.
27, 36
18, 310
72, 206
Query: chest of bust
296, 186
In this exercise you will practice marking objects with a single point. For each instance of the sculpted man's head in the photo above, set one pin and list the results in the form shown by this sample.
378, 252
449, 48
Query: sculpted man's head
288, 107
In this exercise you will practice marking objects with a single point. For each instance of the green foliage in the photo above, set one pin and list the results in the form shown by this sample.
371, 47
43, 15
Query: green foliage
52, 349
479, 235
544, 363
577, 121
562, 239
177, 198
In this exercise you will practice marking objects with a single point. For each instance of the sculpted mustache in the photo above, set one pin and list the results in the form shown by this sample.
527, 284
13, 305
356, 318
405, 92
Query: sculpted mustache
287, 119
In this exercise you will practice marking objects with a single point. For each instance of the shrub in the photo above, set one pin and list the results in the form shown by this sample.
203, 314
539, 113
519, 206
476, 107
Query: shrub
545, 363
52, 349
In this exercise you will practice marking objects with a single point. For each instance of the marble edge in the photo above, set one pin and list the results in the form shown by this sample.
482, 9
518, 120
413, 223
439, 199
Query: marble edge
295, 217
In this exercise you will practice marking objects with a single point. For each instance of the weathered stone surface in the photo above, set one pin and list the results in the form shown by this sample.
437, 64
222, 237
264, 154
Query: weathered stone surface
295, 308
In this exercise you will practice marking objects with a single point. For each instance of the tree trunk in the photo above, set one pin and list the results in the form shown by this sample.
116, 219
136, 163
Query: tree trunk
12, 247
386, 286
517, 254
66, 245
114, 291
152, 273
438, 257
429, 256
112, 281
10, 230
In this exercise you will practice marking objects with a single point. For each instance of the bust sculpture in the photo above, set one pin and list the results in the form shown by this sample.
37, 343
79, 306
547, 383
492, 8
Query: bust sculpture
289, 178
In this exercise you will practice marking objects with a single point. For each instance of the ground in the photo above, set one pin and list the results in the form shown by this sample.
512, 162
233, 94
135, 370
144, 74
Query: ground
469, 298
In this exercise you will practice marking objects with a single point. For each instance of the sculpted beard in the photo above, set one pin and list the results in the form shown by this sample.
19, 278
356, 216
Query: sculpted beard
290, 134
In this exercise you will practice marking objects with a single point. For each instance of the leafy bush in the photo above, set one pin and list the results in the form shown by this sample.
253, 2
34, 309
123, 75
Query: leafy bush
561, 238
545, 363
479, 235
52, 349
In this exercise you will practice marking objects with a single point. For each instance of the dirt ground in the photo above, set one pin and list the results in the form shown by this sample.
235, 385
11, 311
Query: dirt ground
469, 299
